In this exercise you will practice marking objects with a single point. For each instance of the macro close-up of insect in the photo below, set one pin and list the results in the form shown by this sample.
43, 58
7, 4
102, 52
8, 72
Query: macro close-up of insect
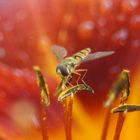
66, 69
68, 65
70, 69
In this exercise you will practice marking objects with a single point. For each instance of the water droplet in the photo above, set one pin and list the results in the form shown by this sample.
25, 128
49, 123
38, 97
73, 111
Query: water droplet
108, 4
120, 36
133, 3
85, 29
17, 72
129, 5
87, 25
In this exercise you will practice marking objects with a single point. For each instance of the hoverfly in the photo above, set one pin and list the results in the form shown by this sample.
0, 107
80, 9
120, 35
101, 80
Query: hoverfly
68, 65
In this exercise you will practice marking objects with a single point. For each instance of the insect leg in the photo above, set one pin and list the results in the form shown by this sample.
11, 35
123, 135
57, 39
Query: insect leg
82, 77
79, 75
67, 80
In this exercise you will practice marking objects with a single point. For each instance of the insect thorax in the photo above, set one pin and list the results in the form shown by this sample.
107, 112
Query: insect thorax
70, 63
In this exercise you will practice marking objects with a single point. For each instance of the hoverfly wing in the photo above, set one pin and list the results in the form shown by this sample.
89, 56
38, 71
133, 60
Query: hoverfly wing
59, 51
97, 55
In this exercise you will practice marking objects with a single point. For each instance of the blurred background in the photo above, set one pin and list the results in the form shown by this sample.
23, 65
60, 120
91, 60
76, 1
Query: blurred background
28, 30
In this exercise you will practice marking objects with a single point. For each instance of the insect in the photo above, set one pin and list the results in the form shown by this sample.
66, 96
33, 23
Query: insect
74, 90
67, 66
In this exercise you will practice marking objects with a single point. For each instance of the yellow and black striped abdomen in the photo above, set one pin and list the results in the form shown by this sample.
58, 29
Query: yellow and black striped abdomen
79, 56
73, 61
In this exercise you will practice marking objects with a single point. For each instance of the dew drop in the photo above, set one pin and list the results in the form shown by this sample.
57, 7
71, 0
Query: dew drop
133, 3
87, 25
129, 5
17, 72
120, 36
108, 4
85, 29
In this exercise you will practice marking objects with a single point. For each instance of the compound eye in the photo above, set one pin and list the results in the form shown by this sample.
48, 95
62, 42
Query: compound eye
62, 70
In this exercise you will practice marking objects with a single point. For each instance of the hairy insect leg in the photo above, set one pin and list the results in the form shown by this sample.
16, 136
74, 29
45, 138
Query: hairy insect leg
79, 75
85, 72
67, 81
77, 72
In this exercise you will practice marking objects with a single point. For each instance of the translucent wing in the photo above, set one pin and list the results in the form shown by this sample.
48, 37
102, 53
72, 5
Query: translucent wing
97, 55
59, 51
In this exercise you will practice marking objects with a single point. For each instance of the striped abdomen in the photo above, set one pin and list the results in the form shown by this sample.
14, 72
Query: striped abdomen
79, 56
70, 63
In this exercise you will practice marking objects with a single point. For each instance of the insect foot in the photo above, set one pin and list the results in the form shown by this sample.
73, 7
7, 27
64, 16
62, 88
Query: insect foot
73, 90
